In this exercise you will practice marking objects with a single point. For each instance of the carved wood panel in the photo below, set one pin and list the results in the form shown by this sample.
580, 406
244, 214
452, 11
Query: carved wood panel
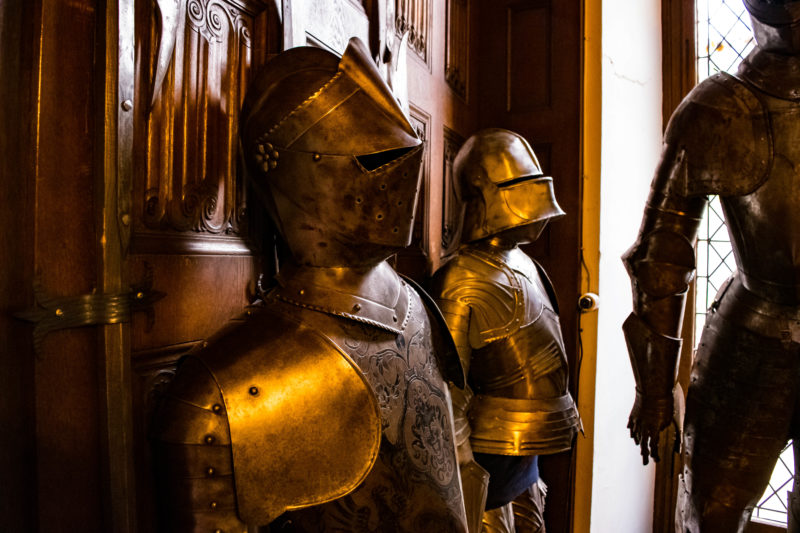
194, 73
456, 64
325, 23
412, 261
414, 17
451, 208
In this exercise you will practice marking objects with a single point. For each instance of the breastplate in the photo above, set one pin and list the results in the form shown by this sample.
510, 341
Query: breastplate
414, 485
518, 366
764, 226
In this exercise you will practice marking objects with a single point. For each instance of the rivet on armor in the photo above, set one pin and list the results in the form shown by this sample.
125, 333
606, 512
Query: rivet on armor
379, 216
269, 147
248, 313
301, 292
205, 344
218, 531
261, 149
216, 408
59, 312
210, 471
253, 391
357, 308
209, 439
359, 200
394, 317
395, 230
317, 157
275, 154
213, 505
139, 295
383, 186
265, 166
127, 105
273, 163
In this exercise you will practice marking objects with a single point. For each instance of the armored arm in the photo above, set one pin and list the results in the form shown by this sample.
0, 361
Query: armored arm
661, 264
717, 142
192, 452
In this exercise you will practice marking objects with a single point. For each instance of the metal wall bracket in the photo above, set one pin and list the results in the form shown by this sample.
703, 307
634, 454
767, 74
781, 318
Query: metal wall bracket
52, 314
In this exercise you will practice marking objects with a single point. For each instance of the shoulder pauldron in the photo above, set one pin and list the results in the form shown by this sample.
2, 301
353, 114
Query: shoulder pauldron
288, 397
722, 131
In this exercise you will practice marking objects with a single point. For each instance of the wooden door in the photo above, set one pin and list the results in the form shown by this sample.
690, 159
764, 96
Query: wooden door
530, 76
192, 232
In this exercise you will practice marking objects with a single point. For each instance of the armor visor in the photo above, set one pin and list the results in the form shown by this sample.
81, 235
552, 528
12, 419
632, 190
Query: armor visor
772, 13
531, 200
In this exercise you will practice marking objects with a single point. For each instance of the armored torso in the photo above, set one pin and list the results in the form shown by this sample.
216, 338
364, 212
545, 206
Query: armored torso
498, 304
381, 336
764, 224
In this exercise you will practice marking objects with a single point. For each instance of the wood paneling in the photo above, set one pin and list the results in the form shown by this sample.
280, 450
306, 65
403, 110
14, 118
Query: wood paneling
529, 81
414, 17
191, 225
456, 66
18, 50
528, 57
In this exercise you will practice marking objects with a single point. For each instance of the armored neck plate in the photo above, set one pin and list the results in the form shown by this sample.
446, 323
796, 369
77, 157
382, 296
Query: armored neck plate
775, 74
375, 296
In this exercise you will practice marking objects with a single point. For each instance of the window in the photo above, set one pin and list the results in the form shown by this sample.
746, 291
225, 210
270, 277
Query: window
724, 38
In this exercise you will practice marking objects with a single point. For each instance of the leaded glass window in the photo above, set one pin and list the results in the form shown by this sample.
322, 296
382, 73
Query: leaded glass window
724, 38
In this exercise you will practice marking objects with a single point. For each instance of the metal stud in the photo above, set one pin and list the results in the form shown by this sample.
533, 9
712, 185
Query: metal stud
213, 505
253, 390
357, 308
317, 157
209, 439
216, 408
210, 471
273, 163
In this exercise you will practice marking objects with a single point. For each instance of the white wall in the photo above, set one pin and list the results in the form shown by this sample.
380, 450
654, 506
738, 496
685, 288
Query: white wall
622, 495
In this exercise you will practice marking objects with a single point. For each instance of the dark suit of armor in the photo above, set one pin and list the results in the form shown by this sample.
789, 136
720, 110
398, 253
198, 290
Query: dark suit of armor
501, 310
327, 407
735, 136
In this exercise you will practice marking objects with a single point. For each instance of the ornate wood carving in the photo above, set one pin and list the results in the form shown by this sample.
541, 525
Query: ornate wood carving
331, 23
414, 17
451, 210
457, 43
186, 140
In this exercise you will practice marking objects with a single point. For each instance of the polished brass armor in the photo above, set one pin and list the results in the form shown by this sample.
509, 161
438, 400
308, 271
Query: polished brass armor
501, 311
508, 333
734, 136
327, 406
499, 167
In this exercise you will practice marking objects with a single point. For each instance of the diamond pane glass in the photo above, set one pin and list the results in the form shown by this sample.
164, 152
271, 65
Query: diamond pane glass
724, 38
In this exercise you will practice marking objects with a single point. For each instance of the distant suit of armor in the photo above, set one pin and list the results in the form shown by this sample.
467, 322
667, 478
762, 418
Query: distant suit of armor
327, 407
737, 137
502, 313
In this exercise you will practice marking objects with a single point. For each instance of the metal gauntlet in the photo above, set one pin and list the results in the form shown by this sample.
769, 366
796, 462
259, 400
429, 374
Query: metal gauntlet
654, 359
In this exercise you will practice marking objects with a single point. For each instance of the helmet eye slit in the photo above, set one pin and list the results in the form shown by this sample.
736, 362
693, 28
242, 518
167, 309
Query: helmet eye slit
520, 179
372, 161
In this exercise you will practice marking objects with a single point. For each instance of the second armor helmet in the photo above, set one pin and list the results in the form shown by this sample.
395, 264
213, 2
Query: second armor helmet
501, 185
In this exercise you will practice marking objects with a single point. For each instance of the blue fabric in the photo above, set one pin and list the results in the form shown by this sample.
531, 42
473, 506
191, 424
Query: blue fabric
509, 476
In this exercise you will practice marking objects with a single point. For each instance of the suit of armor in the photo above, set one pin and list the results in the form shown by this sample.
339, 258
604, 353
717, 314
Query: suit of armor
327, 407
734, 136
501, 310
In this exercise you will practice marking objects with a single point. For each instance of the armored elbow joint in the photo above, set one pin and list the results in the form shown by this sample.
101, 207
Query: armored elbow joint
662, 264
